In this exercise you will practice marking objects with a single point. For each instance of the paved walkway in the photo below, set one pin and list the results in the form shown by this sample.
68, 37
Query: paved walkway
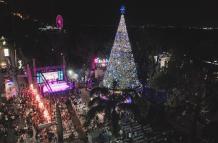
85, 96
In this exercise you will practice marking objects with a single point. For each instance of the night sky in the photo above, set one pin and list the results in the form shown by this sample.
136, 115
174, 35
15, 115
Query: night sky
190, 12
91, 26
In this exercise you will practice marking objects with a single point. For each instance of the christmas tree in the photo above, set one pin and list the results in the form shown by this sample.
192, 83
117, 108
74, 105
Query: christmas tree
121, 67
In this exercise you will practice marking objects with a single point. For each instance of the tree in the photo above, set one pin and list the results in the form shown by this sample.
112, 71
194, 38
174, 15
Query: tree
189, 96
121, 67
111, 103
105, 104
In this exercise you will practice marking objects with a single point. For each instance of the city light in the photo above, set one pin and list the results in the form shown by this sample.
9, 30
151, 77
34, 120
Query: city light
72, 74
3, 65
101, 61
20, 64
31, 86
6, 52
2, 38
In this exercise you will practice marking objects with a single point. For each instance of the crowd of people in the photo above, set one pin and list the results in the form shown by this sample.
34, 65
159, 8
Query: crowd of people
21, 120
21, 117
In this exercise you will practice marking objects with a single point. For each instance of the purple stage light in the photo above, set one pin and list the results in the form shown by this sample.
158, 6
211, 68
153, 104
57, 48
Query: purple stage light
56, 87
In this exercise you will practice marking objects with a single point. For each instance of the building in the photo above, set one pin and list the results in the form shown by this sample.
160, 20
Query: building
12, 72
98, 68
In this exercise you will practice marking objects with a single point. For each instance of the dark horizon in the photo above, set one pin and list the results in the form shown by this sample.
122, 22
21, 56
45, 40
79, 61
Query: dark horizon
91, 26
105, 12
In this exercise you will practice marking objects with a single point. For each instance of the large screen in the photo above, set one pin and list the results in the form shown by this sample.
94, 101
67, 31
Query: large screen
50, 76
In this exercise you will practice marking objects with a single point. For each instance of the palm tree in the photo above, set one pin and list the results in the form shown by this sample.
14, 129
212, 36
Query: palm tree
99, 90
138, 105
108, 106
112, 102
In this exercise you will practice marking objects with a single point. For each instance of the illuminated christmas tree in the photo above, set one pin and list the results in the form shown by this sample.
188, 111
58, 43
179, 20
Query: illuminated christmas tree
121, 68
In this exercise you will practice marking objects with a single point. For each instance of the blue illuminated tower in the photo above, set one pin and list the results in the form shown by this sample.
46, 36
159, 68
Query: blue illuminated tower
121, 67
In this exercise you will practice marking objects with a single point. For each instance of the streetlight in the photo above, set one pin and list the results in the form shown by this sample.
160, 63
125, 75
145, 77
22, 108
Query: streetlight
70, 72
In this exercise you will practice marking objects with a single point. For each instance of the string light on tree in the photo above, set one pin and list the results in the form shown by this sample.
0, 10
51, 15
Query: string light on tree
121, 67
